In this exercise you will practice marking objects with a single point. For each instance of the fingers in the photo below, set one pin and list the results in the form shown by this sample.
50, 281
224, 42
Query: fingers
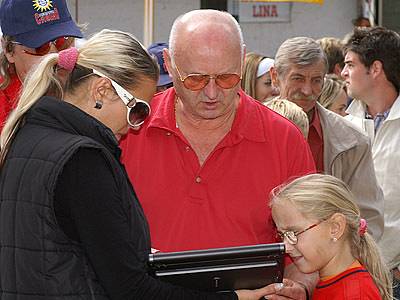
291, 290
270, 290
288, 282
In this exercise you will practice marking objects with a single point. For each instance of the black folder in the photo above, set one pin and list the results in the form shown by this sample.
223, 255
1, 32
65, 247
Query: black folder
221, 269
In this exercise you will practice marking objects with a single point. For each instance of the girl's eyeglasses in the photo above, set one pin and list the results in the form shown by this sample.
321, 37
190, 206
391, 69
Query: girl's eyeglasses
60, 43
138, 110
196, 82
291, 236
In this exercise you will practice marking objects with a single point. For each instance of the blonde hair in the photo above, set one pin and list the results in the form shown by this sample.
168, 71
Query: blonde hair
249, 77
320, 196
333, 48
330, 91
6, 69
290, 111
118, 55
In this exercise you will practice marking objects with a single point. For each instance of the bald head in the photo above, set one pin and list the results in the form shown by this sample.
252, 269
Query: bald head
204, 28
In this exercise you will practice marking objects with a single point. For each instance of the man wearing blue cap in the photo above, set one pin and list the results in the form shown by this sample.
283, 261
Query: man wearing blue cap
31, 29
164, 81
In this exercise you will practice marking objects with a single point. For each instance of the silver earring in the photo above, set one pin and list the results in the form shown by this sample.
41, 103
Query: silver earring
98, 104
334, 239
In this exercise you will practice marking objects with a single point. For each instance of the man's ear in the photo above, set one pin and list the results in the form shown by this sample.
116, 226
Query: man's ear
376, 68
167, 61
337, 70
274, 77
337, 225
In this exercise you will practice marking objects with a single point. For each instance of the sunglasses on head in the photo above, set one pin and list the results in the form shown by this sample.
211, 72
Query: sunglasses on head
196, 82
138, 110
60, 43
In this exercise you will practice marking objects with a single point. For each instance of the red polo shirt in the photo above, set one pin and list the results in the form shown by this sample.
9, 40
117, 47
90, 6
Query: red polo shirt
8, 99
224, 202
354, 283
316, 142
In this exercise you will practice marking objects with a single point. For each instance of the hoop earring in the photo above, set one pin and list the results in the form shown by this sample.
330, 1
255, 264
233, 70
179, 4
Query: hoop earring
98, 104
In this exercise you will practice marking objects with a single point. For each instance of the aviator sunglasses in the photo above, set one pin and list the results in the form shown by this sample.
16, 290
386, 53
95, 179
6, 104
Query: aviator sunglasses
138, 110
196, 81
60, 43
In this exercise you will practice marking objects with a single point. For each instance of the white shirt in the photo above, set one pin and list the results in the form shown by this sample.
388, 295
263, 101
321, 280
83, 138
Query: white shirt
386, 157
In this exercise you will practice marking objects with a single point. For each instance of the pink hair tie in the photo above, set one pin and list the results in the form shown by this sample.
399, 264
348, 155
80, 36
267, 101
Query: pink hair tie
363, 227
67, 58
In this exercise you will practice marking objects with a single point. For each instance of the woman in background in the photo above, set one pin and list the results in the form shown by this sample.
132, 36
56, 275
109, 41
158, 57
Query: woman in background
333, 95
256, 80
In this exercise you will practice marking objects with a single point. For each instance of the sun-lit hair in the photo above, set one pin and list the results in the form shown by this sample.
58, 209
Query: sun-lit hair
298, 51
331, 90
249, 77
320, 196
6, 69
333, 48
291, 111
118, 55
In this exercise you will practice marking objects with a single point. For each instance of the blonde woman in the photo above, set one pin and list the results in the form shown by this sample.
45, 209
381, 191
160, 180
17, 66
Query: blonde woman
256, 81
323, 232
333, 95
71, 224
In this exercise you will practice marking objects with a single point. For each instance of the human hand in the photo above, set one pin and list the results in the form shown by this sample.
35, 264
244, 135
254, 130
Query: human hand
259, 293
289, 290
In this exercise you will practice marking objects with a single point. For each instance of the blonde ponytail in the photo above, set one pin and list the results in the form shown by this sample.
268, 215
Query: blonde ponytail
37, 84
367, 252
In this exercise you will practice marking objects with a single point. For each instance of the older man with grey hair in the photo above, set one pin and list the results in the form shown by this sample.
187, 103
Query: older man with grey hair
338, 147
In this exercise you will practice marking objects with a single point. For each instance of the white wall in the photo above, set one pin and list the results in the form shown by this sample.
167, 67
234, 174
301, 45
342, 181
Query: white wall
316, 21
333, 18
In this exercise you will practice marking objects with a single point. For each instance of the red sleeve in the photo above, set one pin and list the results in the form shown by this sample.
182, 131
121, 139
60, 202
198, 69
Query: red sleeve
4, 109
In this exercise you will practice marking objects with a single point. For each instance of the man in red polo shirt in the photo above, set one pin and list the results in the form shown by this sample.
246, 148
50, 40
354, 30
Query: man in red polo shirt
205, 162
338, 147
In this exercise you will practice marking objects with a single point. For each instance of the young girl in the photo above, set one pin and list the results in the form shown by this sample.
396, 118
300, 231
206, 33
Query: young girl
322, 230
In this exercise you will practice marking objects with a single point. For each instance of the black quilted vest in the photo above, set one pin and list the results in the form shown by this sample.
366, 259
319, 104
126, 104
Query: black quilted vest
37, 260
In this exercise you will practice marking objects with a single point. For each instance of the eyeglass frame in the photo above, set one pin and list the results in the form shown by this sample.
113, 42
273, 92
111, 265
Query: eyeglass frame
49, 42
127, 98
210, 76
295, 234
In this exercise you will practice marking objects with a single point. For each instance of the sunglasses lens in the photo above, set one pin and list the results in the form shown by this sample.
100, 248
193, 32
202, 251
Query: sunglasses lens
63, 43
196, 82
42, 50
138, 113
227, 81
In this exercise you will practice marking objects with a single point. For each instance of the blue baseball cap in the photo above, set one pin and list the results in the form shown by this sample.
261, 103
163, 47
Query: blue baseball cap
33, 23
157, 51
